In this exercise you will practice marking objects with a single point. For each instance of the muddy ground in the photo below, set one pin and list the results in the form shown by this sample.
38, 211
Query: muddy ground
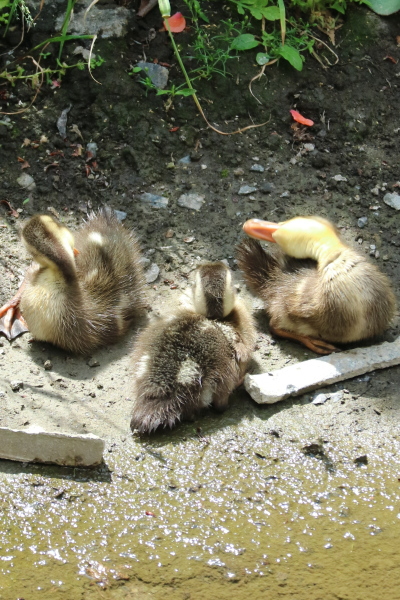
217, 475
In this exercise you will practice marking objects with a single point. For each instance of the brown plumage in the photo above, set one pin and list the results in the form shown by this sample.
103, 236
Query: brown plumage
316, 288
83, 290
195, 358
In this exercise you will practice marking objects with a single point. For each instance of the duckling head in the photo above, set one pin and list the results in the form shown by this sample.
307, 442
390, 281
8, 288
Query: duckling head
301, 237
213, 292
50, 244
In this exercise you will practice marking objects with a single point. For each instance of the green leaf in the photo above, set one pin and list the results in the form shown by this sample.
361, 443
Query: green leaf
384, 7
4, 3
185, 92
291, 55
262, 58
245, 41
272, 13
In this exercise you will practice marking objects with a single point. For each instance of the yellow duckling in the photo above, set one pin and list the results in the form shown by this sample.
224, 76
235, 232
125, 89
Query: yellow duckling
195, 358
82, 291
316, 288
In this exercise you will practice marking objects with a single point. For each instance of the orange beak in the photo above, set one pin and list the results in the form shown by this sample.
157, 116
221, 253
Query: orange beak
76, 252
261, 230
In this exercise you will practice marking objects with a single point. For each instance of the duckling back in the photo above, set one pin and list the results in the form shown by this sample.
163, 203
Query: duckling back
109, 268
344, 300
90, 296
187, 362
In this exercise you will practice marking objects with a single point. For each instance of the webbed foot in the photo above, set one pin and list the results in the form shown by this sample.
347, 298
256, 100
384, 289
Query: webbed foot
12, 323
315, 344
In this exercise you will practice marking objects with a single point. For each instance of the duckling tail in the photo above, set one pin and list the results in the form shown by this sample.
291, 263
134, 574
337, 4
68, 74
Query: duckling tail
153, 414
256, 264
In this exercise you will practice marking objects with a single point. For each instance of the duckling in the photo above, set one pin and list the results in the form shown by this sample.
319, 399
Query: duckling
316, 288
82, 291
195, 358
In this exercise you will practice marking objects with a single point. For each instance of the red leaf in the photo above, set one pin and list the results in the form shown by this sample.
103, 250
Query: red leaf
177, 22
300, 119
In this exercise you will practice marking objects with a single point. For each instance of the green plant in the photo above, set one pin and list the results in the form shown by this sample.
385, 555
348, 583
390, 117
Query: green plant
165, 10
13, 6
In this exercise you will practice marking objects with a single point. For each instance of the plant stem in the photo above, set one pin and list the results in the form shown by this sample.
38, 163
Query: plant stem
194, 96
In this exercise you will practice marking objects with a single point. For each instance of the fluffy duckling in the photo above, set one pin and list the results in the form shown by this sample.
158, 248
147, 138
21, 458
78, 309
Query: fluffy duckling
316, 288
194, 359
82, 291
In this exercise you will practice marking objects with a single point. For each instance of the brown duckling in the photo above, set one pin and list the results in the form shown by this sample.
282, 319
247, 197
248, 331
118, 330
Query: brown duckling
195, 358
317, 289
83, 290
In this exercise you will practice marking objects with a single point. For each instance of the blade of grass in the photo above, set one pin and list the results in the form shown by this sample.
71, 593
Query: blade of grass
282, 15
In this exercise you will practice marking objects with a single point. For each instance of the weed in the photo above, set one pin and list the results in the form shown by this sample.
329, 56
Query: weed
13, 7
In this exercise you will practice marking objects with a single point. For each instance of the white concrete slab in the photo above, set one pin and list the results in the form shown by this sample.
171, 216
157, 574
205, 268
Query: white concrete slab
55, 448
297, 379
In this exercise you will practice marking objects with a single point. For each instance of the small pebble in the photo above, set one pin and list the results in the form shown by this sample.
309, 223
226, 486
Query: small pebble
266, 188
152, 273
337, 396
92, 148
185, 160
48, 365
258, 168
153, 200
192, 201
392, 200
320, 399
16, 385
362, 221
120, 214
375, 191
339, 178
238, 172
92, 362
246, 189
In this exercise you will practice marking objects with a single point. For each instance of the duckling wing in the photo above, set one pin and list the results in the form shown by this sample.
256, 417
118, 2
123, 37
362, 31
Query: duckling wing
110, 270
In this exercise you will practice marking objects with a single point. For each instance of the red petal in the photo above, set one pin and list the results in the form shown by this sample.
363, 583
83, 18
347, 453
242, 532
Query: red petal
300, 119
177, 22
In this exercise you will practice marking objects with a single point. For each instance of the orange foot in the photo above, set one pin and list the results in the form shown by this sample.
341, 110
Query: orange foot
315, 344
12, 323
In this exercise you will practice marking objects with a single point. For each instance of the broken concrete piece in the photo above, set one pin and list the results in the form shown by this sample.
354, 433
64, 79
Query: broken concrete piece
293, 380
40, 446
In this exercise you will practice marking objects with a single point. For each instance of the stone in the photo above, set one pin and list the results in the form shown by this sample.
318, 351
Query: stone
120, 214
246, 189
362, 221
156, 73
392, 200
293, 380
91, 149
192, 201
36, 445
48, 365
153, 200
258, 168
320, 399
266, 188
339, 178
27, 182
92, 362
152, 273
16, 385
